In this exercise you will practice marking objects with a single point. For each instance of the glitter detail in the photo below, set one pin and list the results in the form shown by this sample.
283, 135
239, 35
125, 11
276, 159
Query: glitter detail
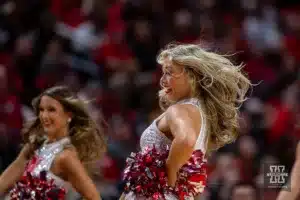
43, 159
152, 136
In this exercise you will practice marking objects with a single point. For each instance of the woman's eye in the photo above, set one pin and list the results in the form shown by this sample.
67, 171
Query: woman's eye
167, 73
52, 109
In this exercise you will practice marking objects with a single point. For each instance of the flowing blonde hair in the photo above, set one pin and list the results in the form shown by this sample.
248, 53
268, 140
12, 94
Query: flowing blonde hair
217, 82
86, 136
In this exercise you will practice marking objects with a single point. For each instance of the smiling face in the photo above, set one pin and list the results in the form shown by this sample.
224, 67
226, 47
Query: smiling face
175, 81
53, 117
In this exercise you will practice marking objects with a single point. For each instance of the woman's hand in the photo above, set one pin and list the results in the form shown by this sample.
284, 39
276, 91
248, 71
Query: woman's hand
122, 197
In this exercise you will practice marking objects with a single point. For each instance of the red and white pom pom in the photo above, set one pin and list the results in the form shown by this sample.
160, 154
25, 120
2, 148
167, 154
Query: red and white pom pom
145, 175
192, 176
36, 188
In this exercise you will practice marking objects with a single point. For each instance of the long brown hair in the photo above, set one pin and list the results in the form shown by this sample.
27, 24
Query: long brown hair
86, 136
220, 85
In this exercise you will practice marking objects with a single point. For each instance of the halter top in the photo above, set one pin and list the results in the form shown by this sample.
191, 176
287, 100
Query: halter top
44, 157
153, 136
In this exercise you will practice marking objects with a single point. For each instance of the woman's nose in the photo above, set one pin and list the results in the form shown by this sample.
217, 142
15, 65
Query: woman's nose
43, 115
163, 81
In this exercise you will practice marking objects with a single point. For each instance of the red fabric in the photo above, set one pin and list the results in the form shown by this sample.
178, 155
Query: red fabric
292, 46
15, 80
109, 169
55, 8
286, 11
110, 104
74, 17
246, 169
183, 36
187, 39
70, 14
114, 51
115, 23
257, 70
114, 47
228, 18
114, 13
119, 51
41, 82
5, 59
131, 115
281, 125
33, 162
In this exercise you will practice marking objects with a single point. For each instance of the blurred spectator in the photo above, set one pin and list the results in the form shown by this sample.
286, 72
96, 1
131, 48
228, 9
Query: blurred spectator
10, 121
244, 191
248, 152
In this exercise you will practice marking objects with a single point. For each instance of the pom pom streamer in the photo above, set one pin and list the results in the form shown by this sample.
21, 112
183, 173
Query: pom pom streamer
145, 175
37, 188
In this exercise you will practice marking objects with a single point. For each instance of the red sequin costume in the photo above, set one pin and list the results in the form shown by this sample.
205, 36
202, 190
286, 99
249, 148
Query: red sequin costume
196, 165
39, 164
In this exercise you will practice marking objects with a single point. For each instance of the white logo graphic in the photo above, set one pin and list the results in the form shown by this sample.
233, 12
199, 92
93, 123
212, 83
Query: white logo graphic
277, 174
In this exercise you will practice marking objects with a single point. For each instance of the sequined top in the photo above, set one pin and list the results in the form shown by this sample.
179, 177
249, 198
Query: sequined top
153, 136
43, 159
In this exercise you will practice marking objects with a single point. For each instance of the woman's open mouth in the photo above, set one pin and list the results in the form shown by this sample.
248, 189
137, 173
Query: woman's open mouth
168, 90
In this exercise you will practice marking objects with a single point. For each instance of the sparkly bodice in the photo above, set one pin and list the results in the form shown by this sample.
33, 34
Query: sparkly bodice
43, 159
153, 136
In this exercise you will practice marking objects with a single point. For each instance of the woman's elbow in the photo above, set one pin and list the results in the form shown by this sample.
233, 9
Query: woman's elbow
188, 142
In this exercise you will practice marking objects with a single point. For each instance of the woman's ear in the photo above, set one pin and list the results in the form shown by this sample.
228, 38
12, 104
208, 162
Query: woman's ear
70, 116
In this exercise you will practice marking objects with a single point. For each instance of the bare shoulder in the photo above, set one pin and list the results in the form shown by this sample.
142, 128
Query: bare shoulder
67, 158
183, 111
183, 117
298, 151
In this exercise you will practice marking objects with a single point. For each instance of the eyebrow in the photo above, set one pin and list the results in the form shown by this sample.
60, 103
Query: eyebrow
167, 67
46, 107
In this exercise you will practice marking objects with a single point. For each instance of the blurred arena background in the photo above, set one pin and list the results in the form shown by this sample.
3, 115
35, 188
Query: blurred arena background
105, 50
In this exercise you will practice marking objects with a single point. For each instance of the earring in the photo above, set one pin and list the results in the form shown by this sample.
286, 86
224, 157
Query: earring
69, 120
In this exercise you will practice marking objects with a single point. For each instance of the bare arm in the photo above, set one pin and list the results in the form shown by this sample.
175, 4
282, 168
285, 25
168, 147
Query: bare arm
76, 174
14, 172
183, 122
122, 197
295, 180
